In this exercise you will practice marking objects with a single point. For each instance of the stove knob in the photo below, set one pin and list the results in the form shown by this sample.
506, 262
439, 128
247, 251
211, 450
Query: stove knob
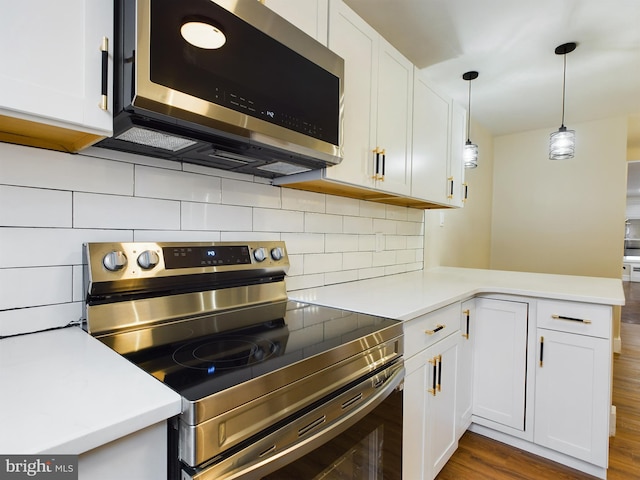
277, 253
148, 259
259, 254
114, 261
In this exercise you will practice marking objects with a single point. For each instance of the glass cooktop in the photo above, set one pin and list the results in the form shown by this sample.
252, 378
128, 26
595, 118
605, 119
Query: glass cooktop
202, 366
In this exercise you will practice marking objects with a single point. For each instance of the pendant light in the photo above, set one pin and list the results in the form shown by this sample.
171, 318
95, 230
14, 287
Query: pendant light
562, 143
470, 152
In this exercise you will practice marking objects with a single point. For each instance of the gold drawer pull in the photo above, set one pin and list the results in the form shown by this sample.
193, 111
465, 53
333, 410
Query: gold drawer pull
435, 330
572, 319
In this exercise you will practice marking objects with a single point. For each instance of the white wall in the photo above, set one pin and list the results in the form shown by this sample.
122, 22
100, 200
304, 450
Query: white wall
566, 216
464, 238
51, 203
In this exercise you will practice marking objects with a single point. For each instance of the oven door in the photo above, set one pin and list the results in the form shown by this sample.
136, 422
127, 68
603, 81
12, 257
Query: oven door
369, 450
353, 436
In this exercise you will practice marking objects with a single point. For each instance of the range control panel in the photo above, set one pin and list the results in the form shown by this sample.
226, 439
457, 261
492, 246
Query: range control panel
134, 260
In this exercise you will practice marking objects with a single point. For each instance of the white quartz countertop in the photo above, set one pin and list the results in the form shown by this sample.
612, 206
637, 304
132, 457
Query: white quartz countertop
64, 392
409, 295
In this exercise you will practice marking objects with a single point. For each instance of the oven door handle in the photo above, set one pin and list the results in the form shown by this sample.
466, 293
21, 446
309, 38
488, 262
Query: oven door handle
277, 459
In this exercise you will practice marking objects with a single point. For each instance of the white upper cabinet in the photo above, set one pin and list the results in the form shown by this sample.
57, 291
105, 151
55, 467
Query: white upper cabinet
380, 163
395, 106
377, 106
51, 66
357, 43
438, 139
310, 16
431, 119
457, 187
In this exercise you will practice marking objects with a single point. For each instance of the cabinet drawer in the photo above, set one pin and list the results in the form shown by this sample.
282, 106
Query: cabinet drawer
574, 317
426, 330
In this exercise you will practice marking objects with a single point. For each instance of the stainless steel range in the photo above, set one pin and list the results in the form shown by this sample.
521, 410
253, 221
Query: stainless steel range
268, 385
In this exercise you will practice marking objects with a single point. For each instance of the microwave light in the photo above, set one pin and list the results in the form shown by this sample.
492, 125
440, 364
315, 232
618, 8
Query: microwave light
203, 35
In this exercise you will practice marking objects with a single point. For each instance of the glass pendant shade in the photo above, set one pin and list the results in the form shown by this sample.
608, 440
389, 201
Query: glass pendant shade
470, 151
470, 155
562, 144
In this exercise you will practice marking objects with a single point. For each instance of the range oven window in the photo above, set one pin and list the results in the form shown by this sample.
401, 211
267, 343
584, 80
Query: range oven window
369, 450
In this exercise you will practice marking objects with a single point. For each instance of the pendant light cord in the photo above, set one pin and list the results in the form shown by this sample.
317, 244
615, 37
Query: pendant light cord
469, 113
564, 80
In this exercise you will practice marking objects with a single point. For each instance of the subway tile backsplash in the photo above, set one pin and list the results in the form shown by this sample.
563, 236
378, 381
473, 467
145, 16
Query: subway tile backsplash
51, 203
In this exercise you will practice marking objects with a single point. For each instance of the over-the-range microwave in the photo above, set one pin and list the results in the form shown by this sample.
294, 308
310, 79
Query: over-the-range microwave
267, 102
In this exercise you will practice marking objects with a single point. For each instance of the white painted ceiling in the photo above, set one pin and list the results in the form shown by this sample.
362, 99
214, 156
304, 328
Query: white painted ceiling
511, 43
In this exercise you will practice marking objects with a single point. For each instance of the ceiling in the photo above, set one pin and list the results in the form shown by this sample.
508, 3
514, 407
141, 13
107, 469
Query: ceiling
511, 44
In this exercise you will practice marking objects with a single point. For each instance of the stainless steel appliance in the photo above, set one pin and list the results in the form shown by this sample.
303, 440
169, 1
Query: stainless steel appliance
270, 386
265, 100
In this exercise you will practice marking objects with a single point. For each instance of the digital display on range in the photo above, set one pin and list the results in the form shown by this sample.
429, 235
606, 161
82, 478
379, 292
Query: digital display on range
213, 256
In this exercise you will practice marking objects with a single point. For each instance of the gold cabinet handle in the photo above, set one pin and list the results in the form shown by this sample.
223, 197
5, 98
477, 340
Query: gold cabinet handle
435, 330
467, 314
380, 163
571, 319
450, 180
434, 386
466, 192
541, 349
104, 99
439, 383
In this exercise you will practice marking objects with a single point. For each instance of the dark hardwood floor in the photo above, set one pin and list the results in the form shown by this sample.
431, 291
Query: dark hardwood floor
480, 458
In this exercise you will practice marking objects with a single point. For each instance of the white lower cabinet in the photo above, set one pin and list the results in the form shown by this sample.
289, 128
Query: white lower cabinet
464, 391
429, 416
500, 363
141, 455
440, 401
573, 381
532, 373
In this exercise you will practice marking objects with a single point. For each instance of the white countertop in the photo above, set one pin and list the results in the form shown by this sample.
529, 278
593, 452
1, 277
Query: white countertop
64, 392
409, 295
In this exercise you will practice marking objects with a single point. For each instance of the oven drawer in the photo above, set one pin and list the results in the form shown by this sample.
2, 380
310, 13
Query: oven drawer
575, 317
426, 330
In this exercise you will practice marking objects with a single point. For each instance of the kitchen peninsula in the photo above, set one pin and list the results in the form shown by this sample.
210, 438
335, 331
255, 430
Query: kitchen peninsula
515, 339
414, 297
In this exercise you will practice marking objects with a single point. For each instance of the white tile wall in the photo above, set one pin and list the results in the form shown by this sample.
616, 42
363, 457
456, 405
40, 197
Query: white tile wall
51, 203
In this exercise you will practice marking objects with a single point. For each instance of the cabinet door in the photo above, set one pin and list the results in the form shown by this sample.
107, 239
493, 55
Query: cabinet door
395, 98
310, 16
441, 373
457, 189
500, 365
430, 142
53, 70
464, 393
357, 43
413, 418
572, 395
